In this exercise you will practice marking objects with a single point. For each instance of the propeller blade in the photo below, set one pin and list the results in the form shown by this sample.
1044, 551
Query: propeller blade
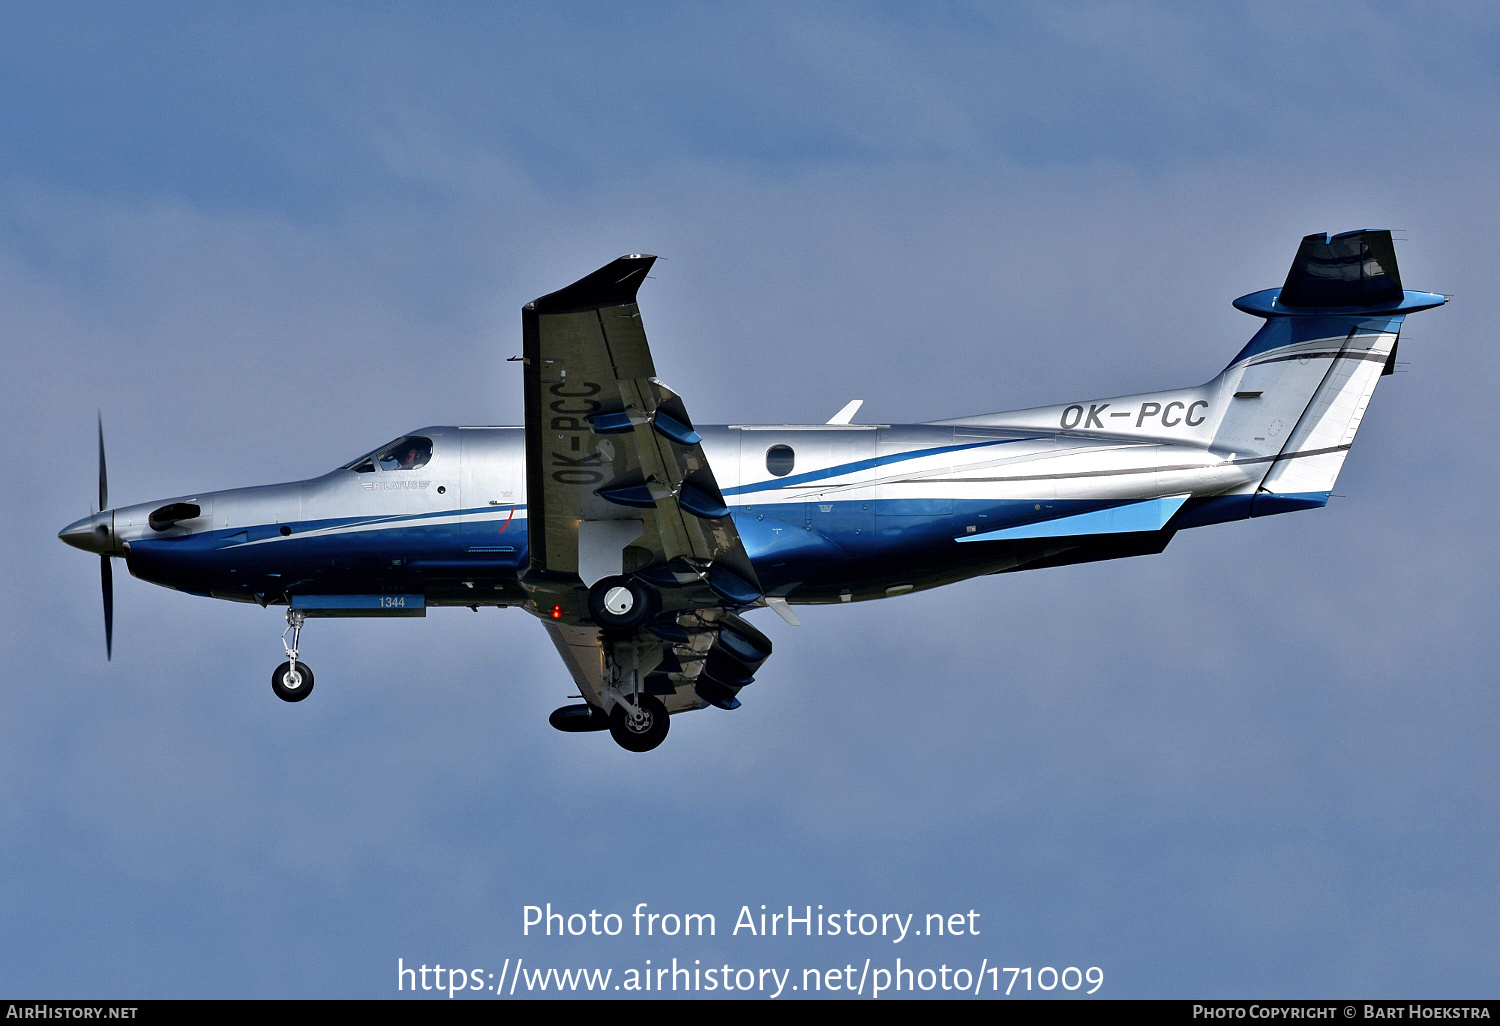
107, 583
103, 479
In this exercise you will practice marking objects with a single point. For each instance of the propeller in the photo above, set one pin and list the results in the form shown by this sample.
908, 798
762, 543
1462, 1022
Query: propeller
106, 572
107, 583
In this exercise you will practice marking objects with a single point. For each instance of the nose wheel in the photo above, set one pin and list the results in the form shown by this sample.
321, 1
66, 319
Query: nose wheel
293, 680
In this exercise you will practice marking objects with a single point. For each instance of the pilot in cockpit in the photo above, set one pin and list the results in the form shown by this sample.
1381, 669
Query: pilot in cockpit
407, 454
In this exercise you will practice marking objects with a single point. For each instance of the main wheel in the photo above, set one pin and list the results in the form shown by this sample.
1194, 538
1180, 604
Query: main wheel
641, 731
619, 603
292, 686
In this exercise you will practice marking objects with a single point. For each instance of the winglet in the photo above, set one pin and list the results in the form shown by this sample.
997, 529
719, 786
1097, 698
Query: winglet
845, 415
614, 284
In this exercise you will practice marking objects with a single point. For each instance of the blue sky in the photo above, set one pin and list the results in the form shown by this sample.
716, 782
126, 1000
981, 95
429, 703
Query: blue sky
264, 239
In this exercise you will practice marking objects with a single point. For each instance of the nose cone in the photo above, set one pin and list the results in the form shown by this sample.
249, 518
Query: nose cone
91, 534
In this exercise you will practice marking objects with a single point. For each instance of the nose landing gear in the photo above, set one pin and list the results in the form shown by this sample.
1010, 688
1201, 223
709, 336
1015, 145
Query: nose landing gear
293, 680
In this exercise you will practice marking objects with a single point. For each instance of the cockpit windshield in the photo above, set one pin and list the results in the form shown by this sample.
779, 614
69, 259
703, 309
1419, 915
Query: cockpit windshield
406, 453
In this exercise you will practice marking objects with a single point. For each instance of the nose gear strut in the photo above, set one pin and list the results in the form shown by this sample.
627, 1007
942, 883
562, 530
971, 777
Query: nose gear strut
293, 680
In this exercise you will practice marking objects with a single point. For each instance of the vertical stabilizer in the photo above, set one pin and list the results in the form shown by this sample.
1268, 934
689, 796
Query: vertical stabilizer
1298, 391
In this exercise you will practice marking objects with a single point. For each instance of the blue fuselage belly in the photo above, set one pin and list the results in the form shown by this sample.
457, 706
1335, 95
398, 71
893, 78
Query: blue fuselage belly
334, 557
807, 551
865, 512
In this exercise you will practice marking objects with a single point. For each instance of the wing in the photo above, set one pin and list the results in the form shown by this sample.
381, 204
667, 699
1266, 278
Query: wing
698, 659
620, 496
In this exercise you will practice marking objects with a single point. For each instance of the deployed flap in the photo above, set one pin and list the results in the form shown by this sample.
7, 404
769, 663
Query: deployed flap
706, 660
605, 440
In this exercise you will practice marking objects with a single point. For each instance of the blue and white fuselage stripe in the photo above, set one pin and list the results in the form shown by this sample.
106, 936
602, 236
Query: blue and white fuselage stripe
652, 535
861, 510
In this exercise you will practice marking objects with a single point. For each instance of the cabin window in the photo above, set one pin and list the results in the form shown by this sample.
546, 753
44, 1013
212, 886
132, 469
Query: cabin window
780, 459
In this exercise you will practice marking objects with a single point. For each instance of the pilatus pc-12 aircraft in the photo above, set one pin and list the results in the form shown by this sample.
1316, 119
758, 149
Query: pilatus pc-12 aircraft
640, 540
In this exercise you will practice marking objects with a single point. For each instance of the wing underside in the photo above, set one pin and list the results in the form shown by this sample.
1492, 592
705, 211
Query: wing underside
621, 495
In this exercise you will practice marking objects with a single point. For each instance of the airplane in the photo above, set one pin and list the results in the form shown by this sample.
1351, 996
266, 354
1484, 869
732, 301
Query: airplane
641, 540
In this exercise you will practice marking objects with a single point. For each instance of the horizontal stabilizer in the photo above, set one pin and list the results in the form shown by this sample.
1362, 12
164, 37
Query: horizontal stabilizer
1351, 273
1151, 515
1352, 269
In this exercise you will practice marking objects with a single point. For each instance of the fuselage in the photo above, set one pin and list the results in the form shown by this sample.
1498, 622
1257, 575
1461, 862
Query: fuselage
639, 539
827, 513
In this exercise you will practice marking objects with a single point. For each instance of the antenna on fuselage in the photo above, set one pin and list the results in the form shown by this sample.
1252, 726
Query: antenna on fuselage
845, 415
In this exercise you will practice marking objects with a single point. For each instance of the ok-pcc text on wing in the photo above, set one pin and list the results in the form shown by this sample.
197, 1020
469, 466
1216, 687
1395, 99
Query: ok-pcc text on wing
806, 921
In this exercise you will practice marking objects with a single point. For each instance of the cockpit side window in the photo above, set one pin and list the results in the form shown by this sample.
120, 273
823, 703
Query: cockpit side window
407, 453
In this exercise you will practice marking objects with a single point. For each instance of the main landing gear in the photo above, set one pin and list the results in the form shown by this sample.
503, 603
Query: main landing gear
293, 680
637, 721
619, 603
641, 725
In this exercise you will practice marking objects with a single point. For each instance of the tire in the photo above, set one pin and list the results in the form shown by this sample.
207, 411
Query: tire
644, 734
619, 603
288, 690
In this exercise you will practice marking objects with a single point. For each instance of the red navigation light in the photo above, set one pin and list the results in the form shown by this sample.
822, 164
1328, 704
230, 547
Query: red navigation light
557, 612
